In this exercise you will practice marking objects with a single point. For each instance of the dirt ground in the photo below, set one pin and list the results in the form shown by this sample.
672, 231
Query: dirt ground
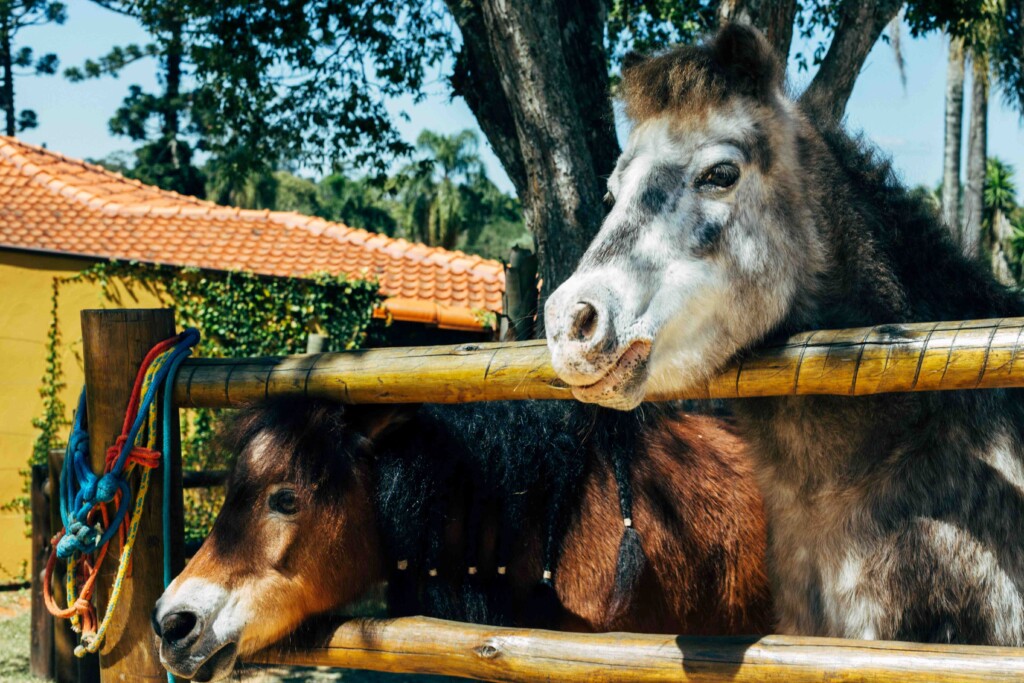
14, 656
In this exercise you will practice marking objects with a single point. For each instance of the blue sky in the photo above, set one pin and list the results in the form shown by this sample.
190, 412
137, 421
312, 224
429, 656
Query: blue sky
906, 124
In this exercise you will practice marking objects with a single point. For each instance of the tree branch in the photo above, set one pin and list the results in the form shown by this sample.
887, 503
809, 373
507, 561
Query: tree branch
859, 26
476, 79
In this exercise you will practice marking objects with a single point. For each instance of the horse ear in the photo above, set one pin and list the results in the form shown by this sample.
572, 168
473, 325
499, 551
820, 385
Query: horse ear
744, 53
376, 422
632, 59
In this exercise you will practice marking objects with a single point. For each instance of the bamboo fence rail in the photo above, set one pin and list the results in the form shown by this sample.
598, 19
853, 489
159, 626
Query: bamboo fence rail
973, 354
431, 646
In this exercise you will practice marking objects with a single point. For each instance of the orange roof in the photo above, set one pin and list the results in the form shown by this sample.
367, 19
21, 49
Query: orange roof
51, 203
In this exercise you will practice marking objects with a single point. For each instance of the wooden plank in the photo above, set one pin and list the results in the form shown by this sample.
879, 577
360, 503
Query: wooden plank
114, 345
41, 652
979, 354
431, 646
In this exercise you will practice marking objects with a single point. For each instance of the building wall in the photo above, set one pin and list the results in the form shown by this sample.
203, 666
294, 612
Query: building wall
26, 281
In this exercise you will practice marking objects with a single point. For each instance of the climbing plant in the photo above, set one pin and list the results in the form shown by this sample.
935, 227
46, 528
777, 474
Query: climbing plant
238, 314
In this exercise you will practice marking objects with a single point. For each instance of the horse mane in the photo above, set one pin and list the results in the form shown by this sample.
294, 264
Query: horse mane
525, 459
918, 248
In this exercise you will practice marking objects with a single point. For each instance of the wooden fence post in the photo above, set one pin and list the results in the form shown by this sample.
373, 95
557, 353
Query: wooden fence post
114, 343
520, 298
41, 654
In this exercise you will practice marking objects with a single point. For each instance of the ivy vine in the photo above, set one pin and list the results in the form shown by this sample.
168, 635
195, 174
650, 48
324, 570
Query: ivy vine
238, 314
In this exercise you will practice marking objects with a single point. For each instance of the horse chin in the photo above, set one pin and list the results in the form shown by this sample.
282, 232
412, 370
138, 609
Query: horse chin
622, 387
216, 666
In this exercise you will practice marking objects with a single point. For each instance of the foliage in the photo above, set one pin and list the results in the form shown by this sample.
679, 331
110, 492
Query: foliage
648, 25
238, 314
16, 15
1000, 192
992, 30
299, 80
168, 126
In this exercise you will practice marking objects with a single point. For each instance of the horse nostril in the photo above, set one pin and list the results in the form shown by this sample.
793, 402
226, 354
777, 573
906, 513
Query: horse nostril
584, 321
179, 629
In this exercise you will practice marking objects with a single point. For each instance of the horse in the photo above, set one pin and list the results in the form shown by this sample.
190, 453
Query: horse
543, 514
740, 216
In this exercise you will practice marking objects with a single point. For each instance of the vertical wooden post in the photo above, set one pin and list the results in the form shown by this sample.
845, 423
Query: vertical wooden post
520, 303
114, 343
66, 667
41, 654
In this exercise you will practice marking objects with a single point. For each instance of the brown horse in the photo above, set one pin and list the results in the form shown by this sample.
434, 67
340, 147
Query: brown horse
470, 512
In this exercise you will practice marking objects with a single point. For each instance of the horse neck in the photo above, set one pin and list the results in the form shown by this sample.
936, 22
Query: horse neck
891, 261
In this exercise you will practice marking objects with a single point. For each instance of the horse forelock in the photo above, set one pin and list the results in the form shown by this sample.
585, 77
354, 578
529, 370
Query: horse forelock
691, 79
311, 443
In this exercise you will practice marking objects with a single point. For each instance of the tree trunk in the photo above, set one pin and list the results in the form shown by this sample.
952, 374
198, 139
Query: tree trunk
1000, 248
172, 74
774, 18
974, 208
859, 26
7, 65
954, 133
551, 121
474, 79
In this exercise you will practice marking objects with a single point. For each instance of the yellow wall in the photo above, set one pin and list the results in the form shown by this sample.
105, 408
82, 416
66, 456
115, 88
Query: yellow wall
25, 289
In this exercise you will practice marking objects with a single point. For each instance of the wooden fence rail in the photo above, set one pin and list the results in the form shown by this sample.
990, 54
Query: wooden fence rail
975, 354
431, 646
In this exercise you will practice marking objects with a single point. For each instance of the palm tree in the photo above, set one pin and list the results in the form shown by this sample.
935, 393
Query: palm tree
452, 155
431, 189
1000, 188
1000, 201
994, 40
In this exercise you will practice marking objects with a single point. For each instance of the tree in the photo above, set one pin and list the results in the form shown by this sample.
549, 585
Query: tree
167, 124
991, 33
1000, 207
977, 150
360, 203
449, 157
16, 15
953, 134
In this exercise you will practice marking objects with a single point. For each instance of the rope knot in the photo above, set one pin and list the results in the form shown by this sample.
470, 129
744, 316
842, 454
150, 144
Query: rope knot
107, 487
80, 538
89, 490
138, 455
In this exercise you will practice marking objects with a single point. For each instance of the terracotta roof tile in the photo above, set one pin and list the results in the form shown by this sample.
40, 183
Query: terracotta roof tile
58, 204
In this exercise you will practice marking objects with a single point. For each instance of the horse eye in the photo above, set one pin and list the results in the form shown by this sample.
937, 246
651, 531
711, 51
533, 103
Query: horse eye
283, 502
719, 176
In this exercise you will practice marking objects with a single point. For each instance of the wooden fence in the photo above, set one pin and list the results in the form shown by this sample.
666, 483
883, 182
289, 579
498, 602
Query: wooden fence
886, 358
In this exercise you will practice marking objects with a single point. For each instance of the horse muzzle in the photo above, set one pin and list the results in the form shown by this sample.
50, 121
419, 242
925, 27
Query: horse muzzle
589, 353
197, 642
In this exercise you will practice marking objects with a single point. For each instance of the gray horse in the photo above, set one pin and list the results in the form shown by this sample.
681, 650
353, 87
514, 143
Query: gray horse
737, 218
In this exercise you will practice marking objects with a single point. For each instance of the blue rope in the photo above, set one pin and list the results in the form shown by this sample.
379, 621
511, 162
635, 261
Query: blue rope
167, 443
